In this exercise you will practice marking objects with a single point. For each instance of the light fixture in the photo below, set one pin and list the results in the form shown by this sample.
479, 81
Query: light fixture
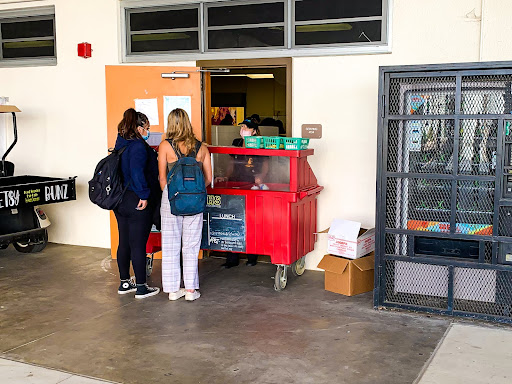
175, 75
260, 76
252, 76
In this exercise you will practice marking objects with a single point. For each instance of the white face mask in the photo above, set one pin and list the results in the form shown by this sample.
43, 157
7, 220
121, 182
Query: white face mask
245, 132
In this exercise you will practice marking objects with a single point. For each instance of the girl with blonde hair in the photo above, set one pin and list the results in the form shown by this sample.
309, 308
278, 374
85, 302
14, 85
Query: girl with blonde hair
180, 232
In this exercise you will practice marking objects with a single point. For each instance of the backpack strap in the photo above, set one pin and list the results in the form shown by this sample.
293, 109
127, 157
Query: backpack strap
195, 152
176, 150
119, 153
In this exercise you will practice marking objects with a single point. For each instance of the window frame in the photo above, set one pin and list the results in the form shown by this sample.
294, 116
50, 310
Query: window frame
29, 14
234, 3
383, 32
289, 49
128, 33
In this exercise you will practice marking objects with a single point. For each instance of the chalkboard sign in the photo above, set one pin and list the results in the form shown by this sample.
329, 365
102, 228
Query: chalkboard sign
224, 223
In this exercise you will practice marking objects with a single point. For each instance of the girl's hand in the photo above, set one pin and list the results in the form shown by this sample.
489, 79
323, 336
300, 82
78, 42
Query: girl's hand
142, 205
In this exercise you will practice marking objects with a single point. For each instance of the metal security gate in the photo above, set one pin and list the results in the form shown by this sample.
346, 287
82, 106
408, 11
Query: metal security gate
444, 199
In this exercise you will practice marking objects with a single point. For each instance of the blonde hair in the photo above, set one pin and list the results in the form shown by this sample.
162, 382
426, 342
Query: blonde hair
179, 129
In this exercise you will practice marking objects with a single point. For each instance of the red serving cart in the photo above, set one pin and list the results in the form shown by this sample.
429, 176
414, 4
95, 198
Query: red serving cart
277, 219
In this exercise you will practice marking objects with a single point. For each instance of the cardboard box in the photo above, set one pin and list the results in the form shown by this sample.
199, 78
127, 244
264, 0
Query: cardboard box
348, 277
347, 239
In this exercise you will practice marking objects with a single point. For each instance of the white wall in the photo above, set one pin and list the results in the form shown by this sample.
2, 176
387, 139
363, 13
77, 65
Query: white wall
341, 93
63, 126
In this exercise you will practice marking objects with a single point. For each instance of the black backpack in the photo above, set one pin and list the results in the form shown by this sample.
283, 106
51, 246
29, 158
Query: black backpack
106, 187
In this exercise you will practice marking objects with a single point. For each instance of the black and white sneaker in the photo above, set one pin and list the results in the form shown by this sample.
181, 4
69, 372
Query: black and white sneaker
143, 291
127, 286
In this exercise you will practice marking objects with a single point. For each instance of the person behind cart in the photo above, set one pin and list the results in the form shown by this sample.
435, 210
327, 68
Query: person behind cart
134, 214
180, 231
252, 169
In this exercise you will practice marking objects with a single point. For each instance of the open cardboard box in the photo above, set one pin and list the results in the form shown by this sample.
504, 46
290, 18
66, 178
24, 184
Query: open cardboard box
348, 277
348, 239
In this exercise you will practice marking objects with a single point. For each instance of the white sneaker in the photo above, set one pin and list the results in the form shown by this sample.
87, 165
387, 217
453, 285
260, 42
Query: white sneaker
191, 296
177, 295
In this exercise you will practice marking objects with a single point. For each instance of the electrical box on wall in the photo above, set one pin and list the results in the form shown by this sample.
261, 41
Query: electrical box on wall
84, 50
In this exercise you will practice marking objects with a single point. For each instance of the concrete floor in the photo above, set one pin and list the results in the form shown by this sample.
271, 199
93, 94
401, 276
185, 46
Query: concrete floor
60, 309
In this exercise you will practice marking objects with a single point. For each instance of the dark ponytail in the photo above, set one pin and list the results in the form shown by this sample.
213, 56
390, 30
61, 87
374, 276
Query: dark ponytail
132, 119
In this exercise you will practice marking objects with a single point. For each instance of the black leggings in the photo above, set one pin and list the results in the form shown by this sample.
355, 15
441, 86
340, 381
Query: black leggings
134, 228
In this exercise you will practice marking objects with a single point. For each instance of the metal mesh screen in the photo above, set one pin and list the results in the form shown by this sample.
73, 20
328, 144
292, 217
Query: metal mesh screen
488, 252
482, 291
505, 222
486, 94
416, 284
418, 204
420, 146
396, 244
477, 148
475, 207
422, 96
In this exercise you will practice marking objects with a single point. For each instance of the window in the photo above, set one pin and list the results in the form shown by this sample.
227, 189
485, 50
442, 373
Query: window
233, 26
27, 37
164, 29
264, 28
328, 22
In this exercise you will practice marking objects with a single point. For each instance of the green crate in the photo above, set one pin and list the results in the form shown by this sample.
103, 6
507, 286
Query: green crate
273, 142
253, 142
295, 143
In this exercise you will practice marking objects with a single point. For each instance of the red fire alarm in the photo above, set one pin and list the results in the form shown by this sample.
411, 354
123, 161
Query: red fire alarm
84, 50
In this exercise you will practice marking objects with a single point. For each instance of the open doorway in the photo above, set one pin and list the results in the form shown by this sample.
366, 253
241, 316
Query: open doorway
257, 88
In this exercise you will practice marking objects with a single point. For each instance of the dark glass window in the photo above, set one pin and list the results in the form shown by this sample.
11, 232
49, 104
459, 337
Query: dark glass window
21, 49
27, 38
246, 14
169, 19
246, 38
336, 9
25, 29
171, 30
172, 41
337, 33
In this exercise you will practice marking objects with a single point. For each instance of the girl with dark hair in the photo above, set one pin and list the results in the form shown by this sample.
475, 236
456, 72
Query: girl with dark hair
139, 166
180, 232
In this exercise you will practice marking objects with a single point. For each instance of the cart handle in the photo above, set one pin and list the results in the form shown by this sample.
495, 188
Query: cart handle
309, 192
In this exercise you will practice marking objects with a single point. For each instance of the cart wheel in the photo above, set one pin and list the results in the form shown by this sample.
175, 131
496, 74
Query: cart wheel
280, 279
32, 248
149, 265
299, 266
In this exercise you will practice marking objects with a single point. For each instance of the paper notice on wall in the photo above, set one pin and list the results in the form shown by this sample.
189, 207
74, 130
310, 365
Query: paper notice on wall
172, 102
149, 107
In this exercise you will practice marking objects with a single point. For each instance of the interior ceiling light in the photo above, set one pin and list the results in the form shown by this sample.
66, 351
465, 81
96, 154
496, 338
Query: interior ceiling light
249, 75
260, 76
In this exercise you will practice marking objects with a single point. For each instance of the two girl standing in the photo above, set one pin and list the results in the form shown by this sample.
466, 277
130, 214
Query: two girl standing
145, 179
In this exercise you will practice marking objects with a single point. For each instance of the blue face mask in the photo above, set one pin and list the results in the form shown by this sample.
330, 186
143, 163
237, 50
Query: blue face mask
146, 137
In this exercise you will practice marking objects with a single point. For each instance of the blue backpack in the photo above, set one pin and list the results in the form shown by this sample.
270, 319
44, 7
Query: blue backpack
185, 184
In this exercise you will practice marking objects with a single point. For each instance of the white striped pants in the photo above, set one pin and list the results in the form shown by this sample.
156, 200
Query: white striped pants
179, 232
